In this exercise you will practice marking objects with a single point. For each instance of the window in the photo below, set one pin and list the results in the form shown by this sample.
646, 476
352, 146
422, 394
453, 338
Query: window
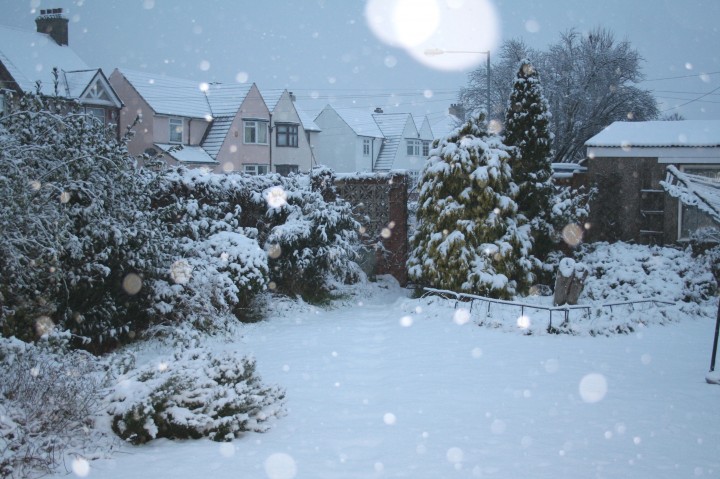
2, 104
286, 170
691, 218
366, 147
255, 169
256, 132
96, 112
425, 148
286, 135
413, 147
176, 130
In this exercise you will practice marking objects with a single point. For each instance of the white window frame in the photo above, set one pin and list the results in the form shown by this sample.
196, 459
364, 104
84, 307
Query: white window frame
681, 206
413, 147
175, 126
366, 147
255, 132
256, 169
96, 112
426, 148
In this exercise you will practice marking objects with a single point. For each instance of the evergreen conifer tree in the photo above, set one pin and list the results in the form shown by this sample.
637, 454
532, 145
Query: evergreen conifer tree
527, 122
468, 237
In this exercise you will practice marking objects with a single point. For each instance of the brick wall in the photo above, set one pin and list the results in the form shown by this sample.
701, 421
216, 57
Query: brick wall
380, 203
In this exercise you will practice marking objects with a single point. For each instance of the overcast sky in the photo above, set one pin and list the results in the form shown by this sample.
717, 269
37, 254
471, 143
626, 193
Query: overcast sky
371, 52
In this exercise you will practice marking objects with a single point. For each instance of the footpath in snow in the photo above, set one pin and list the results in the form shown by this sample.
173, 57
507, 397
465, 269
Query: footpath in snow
391, 387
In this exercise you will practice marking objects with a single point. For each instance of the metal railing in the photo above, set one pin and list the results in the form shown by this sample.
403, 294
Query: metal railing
564, 309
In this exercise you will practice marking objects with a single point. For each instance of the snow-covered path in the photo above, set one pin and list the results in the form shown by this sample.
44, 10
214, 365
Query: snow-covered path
383, 389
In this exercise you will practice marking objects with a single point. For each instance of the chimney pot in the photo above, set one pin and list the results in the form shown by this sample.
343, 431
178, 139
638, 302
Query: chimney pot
378, 110
53, 23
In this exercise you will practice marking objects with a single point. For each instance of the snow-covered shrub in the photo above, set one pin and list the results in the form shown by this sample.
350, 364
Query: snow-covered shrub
222, 273
314, 240
48, 398
194, 395
620, 272
79, 234
306, 232
469, 237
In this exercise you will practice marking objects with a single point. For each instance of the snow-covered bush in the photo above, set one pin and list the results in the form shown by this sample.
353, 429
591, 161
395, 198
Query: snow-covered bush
469, 237
307, 233
315, 243
79, 235
48, 399
620, 272
195, 394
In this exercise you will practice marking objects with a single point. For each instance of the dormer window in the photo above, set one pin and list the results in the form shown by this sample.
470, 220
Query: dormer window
176, 130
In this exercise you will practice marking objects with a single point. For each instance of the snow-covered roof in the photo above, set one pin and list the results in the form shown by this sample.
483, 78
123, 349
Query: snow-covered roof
180, 97
31, 56
446, 125
169, 96
225, 98
685, 133
194, 155
216, 135
392, 124
307, 122
360, 120
272, 97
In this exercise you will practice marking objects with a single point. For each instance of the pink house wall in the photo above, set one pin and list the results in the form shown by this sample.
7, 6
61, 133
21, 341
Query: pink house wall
234, 152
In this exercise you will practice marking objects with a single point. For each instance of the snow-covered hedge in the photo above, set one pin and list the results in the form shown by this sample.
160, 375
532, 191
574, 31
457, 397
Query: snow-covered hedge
307, 233
194, 395
621, 271
79, 233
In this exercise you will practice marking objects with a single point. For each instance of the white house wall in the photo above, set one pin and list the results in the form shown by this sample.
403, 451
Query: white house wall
338, 146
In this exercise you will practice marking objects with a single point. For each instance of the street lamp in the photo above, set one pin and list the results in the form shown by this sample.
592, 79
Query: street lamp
439, 51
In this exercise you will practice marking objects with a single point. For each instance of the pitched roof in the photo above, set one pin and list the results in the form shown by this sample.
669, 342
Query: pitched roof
192, 155
392, 124
180, 97
360, 121
30, 57
216, 135
307, 122
685, 133
168, 95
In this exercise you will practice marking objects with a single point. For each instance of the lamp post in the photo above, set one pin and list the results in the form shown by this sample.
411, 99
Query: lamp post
440, 51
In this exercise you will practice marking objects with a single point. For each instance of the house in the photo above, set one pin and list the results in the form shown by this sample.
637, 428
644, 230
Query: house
42, 62
219, 127
291, 129
357, 140
628, 160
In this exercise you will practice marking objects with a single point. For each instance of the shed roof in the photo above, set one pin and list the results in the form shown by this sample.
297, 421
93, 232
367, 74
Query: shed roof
685, 133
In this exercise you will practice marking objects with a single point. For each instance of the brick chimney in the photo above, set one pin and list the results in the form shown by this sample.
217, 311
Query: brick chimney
457, 111
52, 22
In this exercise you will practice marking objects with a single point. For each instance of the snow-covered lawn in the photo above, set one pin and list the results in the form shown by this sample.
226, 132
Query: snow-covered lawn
388, 386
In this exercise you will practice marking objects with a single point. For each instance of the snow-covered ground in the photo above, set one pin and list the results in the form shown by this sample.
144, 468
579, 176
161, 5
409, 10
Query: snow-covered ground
384, 386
